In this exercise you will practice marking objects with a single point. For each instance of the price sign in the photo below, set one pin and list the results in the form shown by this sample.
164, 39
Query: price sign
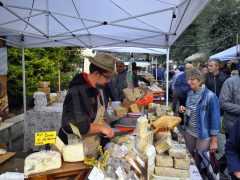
42, 138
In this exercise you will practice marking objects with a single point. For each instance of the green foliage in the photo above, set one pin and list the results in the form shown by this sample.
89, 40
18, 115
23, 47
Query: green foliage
41, 64
213, 31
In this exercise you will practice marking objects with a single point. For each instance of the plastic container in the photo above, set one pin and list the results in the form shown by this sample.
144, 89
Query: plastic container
151, 154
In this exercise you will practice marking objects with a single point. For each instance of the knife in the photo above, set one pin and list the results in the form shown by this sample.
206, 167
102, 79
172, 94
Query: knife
120, 133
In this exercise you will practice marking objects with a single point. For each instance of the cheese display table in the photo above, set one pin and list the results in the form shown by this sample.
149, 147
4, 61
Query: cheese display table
67, 169
47, 119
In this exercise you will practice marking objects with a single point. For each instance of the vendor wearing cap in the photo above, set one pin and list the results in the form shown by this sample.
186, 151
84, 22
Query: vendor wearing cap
83, 108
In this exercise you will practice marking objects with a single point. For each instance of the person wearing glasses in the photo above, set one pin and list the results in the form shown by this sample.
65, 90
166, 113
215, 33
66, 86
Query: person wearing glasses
201, 115
83, 109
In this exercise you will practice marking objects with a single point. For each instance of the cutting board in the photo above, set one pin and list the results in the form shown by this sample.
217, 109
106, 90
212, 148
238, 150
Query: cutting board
6, 156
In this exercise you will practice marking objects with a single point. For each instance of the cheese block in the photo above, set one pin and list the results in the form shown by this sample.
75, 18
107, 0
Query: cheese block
163, 145
171, 172
143, 142
127, 104
166, 122
163, 135
177, 151
134, 108
129, 94
121, 111
42, 161
142, 126
164, 160
136, 93
182, 163
58, 146
73, 152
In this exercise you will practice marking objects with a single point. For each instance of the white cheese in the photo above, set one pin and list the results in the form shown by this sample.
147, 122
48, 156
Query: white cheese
58, 146
73, 152
42, 161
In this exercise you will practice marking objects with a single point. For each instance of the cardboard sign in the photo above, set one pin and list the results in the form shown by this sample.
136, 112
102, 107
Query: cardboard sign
42, 138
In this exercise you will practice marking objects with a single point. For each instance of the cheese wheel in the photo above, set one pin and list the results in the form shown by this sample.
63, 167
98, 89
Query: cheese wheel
42, 161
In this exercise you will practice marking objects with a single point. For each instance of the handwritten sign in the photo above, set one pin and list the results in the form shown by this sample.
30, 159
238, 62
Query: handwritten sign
42, 138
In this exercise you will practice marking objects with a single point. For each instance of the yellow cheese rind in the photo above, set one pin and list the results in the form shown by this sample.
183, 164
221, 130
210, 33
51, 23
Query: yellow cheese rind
172, 172
134, 108
182, 163
121, 111
129, 94
163, 145
164, 161
177, 152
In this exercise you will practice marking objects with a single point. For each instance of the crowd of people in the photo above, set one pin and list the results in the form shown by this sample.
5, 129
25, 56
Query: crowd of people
201, 96
204, 98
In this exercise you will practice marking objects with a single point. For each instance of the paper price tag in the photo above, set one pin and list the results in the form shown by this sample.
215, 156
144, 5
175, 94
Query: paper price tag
96, 174
42, 138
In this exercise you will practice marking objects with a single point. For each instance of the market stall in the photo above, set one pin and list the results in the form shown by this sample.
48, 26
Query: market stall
78, 23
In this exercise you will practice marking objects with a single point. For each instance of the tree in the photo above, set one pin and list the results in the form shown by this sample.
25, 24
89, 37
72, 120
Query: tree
213, 31
41, 64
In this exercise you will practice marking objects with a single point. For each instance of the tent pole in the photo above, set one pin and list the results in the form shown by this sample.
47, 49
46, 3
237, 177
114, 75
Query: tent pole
47, 17
167, 78
24, 80
237, 45
152, 66
156, 69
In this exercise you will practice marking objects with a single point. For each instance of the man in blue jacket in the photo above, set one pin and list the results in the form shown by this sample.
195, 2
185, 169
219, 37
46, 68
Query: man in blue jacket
232, 149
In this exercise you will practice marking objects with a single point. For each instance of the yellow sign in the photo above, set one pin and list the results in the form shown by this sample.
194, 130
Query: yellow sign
42, 138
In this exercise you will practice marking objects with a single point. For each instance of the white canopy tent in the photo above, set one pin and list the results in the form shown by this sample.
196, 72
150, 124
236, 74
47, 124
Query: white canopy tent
94, 23
228, 54
151, 51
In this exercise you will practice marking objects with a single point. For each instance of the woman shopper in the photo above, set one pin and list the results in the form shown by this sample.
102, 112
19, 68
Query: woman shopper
201, 115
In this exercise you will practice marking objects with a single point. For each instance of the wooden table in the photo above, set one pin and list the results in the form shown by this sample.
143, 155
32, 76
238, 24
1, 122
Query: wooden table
67, 169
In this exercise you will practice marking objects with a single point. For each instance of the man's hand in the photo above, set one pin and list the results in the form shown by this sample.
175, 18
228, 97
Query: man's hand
108, 132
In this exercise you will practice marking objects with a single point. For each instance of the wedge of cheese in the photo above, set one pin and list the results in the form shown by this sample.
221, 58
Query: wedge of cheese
163, 145
121, 111
42, 161
136, 93
182, 163
171, 172
58, 146
73, 152
164, 160
129, 94
134, 108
